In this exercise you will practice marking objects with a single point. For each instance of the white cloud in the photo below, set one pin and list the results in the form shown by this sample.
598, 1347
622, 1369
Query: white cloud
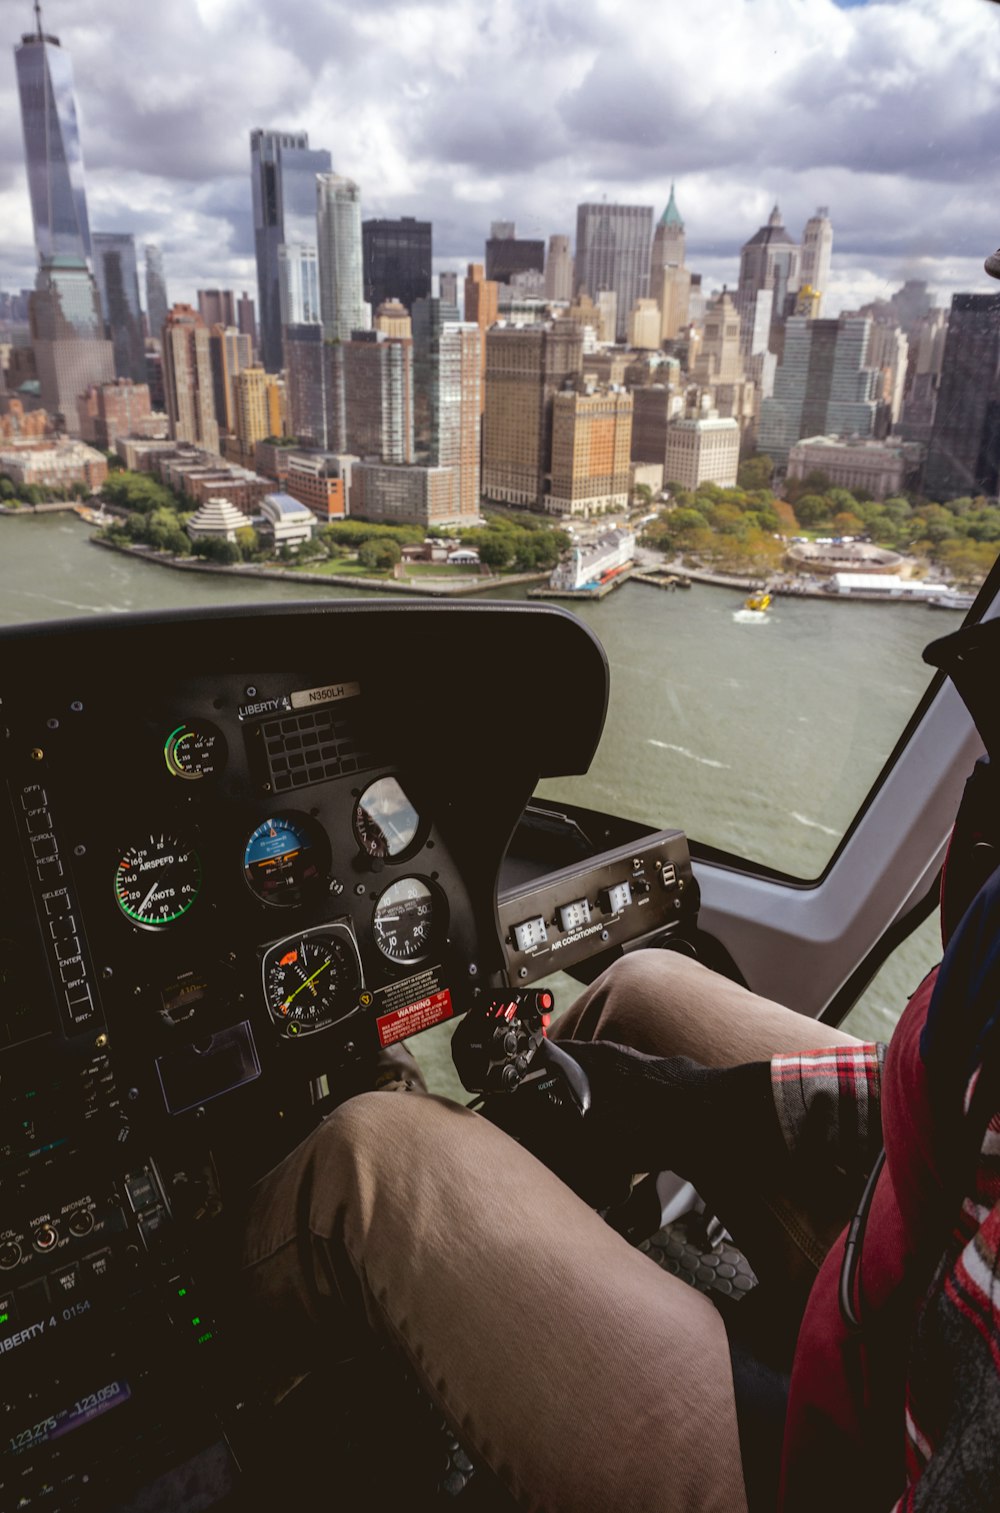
464, 110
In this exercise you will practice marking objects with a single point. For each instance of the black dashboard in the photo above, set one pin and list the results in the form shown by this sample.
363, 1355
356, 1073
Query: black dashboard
241, 853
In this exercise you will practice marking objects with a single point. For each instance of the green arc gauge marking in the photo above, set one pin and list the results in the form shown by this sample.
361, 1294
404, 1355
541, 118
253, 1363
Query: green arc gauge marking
185, 873
169, 747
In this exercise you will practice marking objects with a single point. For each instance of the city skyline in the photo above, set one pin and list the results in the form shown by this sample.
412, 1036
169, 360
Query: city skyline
166, 152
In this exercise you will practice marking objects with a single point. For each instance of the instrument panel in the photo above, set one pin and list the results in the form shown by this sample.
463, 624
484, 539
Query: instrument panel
238, 856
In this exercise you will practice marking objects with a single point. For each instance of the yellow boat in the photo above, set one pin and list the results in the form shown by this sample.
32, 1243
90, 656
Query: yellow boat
759, 602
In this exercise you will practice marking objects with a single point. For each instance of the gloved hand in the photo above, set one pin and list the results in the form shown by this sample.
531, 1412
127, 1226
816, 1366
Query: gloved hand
647, 1114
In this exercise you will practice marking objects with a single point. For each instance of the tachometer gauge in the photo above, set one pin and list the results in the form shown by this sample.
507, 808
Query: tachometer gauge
403, 922
158, 880
194, 750
284, 858
385, 822
311, 980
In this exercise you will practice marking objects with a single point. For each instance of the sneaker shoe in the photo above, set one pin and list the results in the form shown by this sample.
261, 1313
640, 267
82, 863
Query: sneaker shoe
398, 1071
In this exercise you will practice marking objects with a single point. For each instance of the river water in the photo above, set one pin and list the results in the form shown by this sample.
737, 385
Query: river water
761, 736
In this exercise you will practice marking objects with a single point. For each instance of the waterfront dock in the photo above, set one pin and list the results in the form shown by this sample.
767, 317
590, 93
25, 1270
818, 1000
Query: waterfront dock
588, 593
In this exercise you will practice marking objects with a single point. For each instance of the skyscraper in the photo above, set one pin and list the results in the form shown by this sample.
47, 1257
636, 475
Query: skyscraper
230, 352
591, 447
525, 367
448, 289
252, 410
217, 307
769, 260
52, 150
187, 378
67, 336
720, 360
378, 396
823, 385
507, 253
67, 324
246, 317
283, 172
307, 375
613, 244
397, 260
668, 242
341, 283
481, 306
157, 303
298, 284
817, 248
964, 452
117, 276
559, 269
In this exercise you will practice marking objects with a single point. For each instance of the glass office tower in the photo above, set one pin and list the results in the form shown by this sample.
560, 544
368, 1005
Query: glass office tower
117, 276
52, 149
341, 282
283, 171
157, 303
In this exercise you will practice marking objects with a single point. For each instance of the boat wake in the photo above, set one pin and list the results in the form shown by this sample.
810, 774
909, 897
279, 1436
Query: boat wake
691, 755
813, 824
750, 617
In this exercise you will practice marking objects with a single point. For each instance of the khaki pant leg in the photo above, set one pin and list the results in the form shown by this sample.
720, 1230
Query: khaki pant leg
668, 1005
586, 1378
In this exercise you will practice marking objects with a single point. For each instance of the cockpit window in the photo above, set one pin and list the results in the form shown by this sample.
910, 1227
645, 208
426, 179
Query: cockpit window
683, 323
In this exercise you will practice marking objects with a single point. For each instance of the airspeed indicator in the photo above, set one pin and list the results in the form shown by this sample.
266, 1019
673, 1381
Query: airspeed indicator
157, 881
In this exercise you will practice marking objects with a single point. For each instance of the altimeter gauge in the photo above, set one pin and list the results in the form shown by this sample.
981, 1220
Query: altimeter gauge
158, 880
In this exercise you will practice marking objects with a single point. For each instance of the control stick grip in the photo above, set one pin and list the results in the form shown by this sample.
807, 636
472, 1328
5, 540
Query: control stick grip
557, 1060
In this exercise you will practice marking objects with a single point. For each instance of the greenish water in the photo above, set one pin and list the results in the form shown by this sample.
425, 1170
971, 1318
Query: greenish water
759, 736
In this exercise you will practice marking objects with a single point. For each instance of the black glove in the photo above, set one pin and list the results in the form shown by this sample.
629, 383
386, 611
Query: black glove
648, 1114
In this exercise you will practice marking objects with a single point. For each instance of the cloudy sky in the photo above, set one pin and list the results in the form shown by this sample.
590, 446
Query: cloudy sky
464, 111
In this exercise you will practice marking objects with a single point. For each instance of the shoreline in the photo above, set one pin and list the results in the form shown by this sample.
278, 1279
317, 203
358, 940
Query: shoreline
336, 580
440, 589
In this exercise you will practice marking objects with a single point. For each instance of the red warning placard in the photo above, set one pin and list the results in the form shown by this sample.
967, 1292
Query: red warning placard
414, 1017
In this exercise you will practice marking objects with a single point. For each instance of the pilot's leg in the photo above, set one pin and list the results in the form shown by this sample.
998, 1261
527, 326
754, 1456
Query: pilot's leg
587, 1378
668, 1005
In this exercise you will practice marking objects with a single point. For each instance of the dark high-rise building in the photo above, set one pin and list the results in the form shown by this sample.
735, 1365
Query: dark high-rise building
613, 249
283, 172
506, 255
117, 276
157, 304
397, 260
525, 367
246, 317
217, 307
964, 452
306, 376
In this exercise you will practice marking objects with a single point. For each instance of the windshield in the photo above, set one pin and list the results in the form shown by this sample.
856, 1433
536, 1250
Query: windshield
679, 319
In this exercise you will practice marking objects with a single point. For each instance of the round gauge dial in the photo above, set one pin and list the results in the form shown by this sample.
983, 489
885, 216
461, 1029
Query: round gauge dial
385, 822
283, 860
158, 880
403, 923
194, 750
312, 980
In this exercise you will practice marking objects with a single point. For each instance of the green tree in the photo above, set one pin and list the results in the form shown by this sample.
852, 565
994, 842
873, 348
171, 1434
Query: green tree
249, 543
494, 551
381, 555
756, 472
813, 510
217, 549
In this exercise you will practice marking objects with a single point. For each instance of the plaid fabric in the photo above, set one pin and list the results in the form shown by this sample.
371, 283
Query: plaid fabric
827, 1102
953, 1391
830, 1099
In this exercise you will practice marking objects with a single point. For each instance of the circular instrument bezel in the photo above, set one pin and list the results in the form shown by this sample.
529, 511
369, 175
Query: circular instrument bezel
398, 847
196, 730
287, 892
435, 922
279, 990
168, 844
